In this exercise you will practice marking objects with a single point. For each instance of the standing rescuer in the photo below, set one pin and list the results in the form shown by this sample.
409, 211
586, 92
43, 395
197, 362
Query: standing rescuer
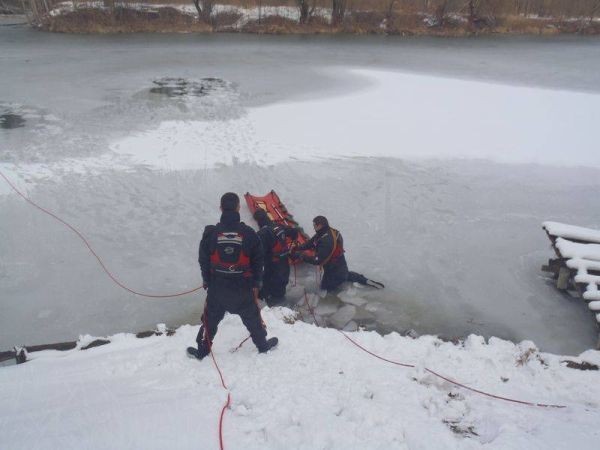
273, 238
329, 255
231, 261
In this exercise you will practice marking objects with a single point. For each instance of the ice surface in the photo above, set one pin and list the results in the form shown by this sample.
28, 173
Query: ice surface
457, 242
342, 316
140, 174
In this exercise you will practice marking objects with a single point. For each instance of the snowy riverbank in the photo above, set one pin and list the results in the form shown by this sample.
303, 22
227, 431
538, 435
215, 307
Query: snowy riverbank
316, 390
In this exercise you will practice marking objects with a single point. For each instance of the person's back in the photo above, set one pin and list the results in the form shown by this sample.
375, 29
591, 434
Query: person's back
329, 254
231, 260
276, 252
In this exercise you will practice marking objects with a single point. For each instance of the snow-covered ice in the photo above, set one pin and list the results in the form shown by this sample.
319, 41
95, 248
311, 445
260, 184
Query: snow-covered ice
140, 174
160, 183
401, 115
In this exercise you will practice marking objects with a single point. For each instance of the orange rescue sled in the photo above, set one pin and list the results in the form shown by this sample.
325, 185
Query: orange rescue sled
276, 211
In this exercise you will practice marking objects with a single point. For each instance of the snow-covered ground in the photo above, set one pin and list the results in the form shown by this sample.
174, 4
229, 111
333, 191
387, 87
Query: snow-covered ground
316, 390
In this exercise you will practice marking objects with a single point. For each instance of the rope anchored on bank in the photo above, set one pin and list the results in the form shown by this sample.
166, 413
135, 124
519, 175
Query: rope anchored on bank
449, 380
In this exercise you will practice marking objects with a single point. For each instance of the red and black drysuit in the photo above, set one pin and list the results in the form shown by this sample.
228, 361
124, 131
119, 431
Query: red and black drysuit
273, 238
231, 261
329, 254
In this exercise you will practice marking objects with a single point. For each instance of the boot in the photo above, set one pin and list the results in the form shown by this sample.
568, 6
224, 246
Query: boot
198, 353
375, 284
269, 344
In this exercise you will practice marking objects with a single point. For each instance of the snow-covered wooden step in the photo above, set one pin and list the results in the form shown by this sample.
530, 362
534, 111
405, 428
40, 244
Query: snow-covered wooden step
587, 279
574, 250
594, 306
591, 295
563, 230
583, 264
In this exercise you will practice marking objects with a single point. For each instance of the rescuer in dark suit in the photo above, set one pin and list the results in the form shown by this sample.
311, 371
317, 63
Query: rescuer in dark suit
329, 254
231, 261
276, 255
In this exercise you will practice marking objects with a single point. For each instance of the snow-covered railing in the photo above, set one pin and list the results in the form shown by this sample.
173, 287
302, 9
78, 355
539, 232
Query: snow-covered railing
578, 261
572, 232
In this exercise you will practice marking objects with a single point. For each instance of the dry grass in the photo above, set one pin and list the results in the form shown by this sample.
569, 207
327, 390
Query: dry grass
283, 25
124, 20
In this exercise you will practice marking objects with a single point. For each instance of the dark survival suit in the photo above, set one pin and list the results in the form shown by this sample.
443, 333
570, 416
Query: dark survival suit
273, 238
231, 261
329, 254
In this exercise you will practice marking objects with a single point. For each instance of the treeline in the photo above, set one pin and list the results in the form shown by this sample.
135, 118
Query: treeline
11, 7
473, 8
441, 17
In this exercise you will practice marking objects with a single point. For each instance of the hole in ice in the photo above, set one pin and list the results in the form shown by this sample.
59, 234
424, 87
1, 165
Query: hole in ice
9, 121
181, 87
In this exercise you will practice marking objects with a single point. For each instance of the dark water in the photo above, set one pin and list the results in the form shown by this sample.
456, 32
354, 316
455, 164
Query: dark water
95, 69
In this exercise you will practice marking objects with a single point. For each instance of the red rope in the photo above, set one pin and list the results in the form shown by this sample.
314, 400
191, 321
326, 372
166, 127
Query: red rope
310, 309
87, 244
542, 405
221, 445
456, 383
112, 277
240, 345
218, 370
295, 276
373, 354
227, 403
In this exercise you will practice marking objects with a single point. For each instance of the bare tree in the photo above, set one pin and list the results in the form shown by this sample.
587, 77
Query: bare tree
204, 8
594, 9
338, 11
390, 9
259, 11
440, 12
307, 10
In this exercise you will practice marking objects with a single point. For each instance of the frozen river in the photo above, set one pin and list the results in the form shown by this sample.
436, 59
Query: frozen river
438, 159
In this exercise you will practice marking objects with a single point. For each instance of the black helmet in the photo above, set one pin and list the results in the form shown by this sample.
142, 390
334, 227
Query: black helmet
261, 217
321, 220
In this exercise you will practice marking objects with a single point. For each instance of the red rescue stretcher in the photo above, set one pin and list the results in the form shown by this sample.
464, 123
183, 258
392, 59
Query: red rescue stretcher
277, 212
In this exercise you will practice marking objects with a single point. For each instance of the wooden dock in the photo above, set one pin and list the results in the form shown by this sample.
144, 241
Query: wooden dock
577, 264
20, 354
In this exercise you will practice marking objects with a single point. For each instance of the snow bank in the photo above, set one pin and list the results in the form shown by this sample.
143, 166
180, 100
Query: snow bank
145, 393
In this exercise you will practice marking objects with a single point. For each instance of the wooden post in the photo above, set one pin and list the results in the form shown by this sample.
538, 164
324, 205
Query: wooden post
563, 278
21, 355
